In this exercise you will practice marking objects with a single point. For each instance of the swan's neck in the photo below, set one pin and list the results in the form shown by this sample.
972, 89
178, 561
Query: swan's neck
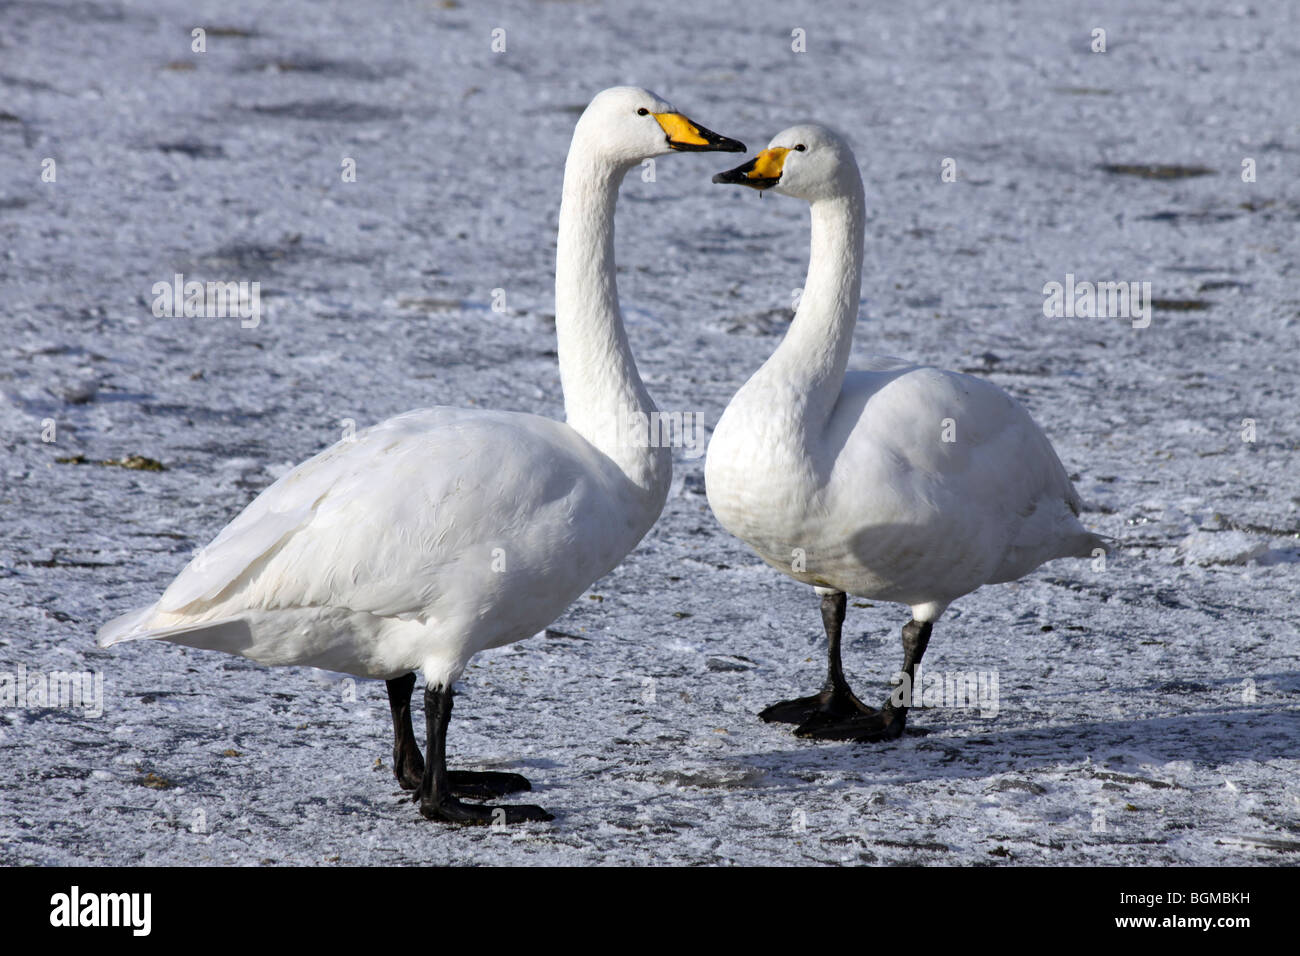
604, 398
810, 362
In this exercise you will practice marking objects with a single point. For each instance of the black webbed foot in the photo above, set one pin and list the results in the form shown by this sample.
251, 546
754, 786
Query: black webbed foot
867, 726
828, 705
469, 784
449, 809
486, 784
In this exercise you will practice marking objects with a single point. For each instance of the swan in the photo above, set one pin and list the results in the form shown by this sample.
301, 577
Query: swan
898, 482
441, 532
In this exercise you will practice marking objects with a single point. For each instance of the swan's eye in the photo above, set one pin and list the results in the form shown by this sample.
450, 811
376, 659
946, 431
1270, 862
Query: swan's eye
643, 112
801, 147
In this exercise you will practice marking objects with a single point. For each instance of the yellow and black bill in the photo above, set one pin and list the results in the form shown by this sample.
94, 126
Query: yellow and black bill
687, 136
761, 172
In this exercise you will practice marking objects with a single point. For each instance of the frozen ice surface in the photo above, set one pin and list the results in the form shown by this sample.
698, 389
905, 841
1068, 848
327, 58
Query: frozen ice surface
1148, 708
1221, 547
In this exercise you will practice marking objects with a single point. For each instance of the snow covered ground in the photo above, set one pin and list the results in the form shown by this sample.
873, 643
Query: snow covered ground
1147, 710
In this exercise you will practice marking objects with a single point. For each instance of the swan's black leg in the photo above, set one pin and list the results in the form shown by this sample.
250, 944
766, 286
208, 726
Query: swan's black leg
835, 701
916, 638
408, 765
888, 722
437, 799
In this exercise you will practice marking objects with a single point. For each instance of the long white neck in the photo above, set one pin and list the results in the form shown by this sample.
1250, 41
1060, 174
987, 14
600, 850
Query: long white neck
811, 361
603, 394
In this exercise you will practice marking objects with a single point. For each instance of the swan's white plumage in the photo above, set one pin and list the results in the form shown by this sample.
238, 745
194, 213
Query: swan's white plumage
421, 541
844, 480
445, 531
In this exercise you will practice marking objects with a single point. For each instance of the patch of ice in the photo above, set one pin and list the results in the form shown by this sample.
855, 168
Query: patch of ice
1219, 547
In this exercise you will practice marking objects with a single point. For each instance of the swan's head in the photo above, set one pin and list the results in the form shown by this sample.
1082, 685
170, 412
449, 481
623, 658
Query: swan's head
627, 124
808, 162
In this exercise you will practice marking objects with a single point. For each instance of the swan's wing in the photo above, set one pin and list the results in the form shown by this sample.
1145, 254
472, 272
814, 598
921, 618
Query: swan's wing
280, 510
944, 450
389, 521
959, 430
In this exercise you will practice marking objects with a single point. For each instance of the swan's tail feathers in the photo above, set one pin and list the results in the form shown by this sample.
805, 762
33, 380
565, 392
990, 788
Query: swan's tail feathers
226, 634
128, 627
1091, 543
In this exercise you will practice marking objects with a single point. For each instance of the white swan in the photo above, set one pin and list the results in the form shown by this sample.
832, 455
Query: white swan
900, 483
441, 532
